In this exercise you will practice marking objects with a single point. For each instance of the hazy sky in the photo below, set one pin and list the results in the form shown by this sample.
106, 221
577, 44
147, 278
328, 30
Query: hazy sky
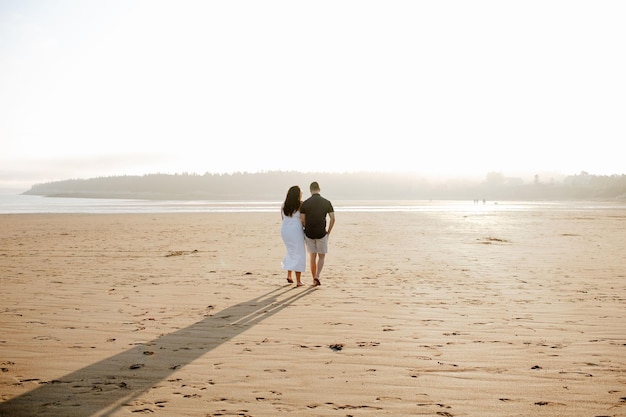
99, 88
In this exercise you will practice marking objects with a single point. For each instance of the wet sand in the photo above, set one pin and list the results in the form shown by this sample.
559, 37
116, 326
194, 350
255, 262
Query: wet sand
481, 313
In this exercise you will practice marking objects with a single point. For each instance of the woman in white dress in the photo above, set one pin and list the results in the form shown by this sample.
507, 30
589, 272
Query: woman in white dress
293, 235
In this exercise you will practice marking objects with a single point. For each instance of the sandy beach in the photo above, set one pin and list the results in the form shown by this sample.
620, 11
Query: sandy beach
483, 313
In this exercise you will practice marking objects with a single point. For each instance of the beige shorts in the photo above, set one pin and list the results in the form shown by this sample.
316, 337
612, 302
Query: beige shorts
317, 245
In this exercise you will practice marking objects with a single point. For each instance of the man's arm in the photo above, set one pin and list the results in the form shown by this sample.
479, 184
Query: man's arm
331, 215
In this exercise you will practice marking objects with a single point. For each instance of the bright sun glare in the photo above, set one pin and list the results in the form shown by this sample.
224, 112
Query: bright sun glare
457, 89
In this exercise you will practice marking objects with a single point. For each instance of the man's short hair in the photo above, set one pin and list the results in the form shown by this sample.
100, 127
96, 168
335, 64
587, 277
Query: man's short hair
314, 186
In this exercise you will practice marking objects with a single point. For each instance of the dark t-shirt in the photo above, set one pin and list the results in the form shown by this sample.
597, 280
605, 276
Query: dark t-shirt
315, 209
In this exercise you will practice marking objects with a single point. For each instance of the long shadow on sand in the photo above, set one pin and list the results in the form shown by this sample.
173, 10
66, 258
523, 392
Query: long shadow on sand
101, 388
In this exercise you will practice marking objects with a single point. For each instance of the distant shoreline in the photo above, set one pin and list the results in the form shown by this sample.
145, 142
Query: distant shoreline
347, 186
164, 198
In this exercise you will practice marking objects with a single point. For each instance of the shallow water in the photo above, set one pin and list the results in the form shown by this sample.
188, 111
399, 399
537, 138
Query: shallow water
14, 204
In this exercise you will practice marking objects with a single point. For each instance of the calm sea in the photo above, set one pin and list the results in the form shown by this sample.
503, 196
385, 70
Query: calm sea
12, 204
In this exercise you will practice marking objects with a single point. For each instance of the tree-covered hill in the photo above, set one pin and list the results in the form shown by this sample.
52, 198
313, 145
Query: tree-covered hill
272, 186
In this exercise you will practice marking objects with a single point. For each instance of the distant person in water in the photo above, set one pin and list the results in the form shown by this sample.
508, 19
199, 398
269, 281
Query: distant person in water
314, 211
293, 235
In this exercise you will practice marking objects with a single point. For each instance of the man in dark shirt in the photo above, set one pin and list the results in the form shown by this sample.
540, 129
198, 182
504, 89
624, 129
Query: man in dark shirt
313, 213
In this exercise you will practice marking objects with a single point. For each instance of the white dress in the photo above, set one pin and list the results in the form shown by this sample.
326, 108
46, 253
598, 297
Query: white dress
293, 237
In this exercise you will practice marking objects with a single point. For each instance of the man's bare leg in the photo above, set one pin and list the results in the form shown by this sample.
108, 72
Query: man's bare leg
320, 265
313, 263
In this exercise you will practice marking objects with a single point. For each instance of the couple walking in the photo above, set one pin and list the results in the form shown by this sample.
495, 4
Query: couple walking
304, 223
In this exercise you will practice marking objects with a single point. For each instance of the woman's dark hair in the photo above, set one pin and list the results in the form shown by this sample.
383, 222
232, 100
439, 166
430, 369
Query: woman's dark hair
292, 201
